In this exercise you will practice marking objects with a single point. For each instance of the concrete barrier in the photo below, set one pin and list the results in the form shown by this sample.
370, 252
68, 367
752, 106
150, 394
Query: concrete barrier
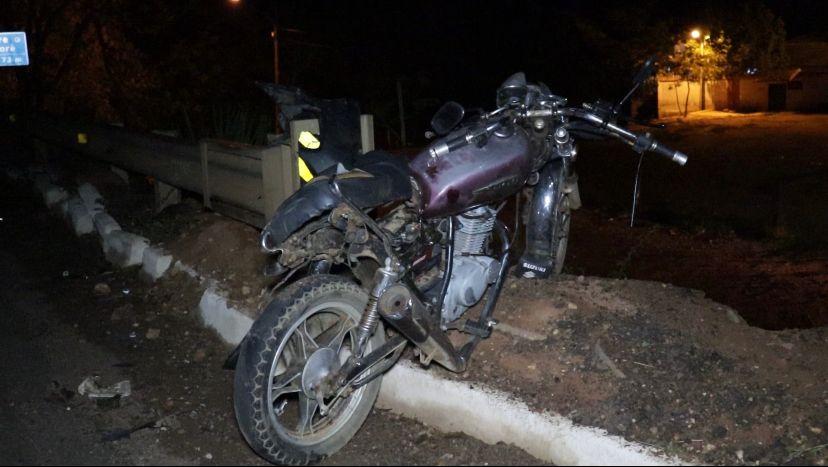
54, 195
124, 249
78, 216
105, 224
156, 263
231, 324
91, 198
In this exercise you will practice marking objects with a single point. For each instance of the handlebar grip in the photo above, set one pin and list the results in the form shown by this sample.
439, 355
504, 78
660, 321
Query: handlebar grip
444, 147
457, 143
678, 157
645, 142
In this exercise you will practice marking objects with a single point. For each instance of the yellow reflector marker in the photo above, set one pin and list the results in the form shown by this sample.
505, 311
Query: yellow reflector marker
309, 141
304, 172
82, 139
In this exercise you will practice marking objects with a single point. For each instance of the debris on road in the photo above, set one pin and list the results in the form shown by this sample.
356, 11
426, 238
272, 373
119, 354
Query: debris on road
102, 289
90, 388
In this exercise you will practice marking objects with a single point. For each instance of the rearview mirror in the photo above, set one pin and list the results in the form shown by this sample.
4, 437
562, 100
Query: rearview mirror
645, 72
449, 116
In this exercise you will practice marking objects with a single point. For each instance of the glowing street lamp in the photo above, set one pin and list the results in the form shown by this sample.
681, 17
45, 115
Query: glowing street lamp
696, 34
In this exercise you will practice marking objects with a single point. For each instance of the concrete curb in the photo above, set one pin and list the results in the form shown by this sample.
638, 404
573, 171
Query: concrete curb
452, 406
54, 195
155, 263
105, 224
231, 324
91, 198
87, 214
79, 216
493, 416
124, 249
483, 413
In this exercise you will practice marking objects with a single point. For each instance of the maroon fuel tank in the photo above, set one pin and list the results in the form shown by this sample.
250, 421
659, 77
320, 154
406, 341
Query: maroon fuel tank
473, 175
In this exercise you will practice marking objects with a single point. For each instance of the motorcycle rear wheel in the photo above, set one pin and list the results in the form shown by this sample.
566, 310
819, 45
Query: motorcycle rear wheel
305, 332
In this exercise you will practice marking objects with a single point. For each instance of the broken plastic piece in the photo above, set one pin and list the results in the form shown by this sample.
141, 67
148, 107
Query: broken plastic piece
90, 388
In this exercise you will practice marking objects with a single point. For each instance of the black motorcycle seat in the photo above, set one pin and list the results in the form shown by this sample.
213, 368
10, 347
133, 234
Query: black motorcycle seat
377, 178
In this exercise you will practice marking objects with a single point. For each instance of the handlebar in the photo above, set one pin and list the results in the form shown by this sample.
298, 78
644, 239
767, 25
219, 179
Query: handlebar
647, 143
470, 136
640, 142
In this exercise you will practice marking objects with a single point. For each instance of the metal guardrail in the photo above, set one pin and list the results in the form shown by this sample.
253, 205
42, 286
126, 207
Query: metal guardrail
245, 182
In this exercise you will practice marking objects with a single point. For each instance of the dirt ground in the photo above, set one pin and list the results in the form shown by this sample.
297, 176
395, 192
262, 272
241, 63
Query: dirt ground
747, 216
772, 289
657, 364
56, 329
663, 366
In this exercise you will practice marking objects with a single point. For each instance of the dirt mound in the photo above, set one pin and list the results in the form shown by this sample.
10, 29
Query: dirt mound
664, 366
224, 250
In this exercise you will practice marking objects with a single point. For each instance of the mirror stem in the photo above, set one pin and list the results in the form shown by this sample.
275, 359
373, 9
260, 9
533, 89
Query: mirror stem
617, 106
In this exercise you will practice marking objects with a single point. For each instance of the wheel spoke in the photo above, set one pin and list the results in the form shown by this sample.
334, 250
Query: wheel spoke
307, 409
335, 341
286, 383
309, 345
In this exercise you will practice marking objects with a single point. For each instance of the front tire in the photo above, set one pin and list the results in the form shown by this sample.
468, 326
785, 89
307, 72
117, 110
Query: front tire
561, 235
313, 320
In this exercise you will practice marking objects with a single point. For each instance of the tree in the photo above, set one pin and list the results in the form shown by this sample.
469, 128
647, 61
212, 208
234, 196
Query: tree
700, 59
758, 38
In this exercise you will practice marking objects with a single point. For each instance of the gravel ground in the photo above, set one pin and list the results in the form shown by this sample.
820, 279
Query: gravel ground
57, 329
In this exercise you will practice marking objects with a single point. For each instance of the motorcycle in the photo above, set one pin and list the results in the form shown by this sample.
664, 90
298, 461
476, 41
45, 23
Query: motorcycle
392, 254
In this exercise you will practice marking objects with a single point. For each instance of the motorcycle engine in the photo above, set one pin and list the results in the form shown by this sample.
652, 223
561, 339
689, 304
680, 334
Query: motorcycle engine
473, 271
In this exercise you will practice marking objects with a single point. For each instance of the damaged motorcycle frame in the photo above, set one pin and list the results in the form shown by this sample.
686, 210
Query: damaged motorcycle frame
390, 252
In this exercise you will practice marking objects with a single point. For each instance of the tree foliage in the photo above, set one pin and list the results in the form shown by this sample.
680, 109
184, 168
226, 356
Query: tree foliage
758, 39
705, 57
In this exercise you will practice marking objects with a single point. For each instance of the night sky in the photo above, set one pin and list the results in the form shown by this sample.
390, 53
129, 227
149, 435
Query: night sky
168, 58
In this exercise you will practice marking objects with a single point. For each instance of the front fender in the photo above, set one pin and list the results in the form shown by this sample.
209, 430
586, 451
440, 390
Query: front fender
541, 228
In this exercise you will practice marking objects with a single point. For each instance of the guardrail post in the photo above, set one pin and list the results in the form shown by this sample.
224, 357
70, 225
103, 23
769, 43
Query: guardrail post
280, 177
366, 130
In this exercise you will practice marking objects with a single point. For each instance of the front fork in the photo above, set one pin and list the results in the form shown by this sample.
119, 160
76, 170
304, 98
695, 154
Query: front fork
538, 256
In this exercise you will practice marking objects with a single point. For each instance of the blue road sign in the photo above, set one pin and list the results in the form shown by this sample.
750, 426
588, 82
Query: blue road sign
13, 49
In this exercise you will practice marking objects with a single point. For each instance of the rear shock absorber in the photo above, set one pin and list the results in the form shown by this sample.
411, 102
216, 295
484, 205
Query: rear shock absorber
383, 278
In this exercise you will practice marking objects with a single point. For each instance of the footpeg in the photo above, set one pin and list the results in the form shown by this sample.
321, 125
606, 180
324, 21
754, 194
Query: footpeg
482, 330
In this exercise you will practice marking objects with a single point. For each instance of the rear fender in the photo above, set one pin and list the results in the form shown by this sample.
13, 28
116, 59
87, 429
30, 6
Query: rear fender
378, 179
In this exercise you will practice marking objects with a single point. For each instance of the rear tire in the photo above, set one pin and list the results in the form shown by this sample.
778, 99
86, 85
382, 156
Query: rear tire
271, 345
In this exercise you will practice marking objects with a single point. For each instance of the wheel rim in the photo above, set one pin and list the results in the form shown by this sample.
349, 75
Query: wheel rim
314, 346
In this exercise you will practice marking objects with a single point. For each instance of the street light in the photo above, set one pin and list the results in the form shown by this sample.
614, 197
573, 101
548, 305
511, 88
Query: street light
696, 34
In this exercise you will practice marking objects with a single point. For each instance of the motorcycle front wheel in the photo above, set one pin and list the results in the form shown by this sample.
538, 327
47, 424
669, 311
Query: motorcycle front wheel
561, 234
304, 334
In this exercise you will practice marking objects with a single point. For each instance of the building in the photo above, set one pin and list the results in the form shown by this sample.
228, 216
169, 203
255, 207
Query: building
802, 87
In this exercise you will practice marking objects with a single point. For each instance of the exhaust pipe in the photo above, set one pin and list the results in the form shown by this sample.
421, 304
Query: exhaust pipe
408, 315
